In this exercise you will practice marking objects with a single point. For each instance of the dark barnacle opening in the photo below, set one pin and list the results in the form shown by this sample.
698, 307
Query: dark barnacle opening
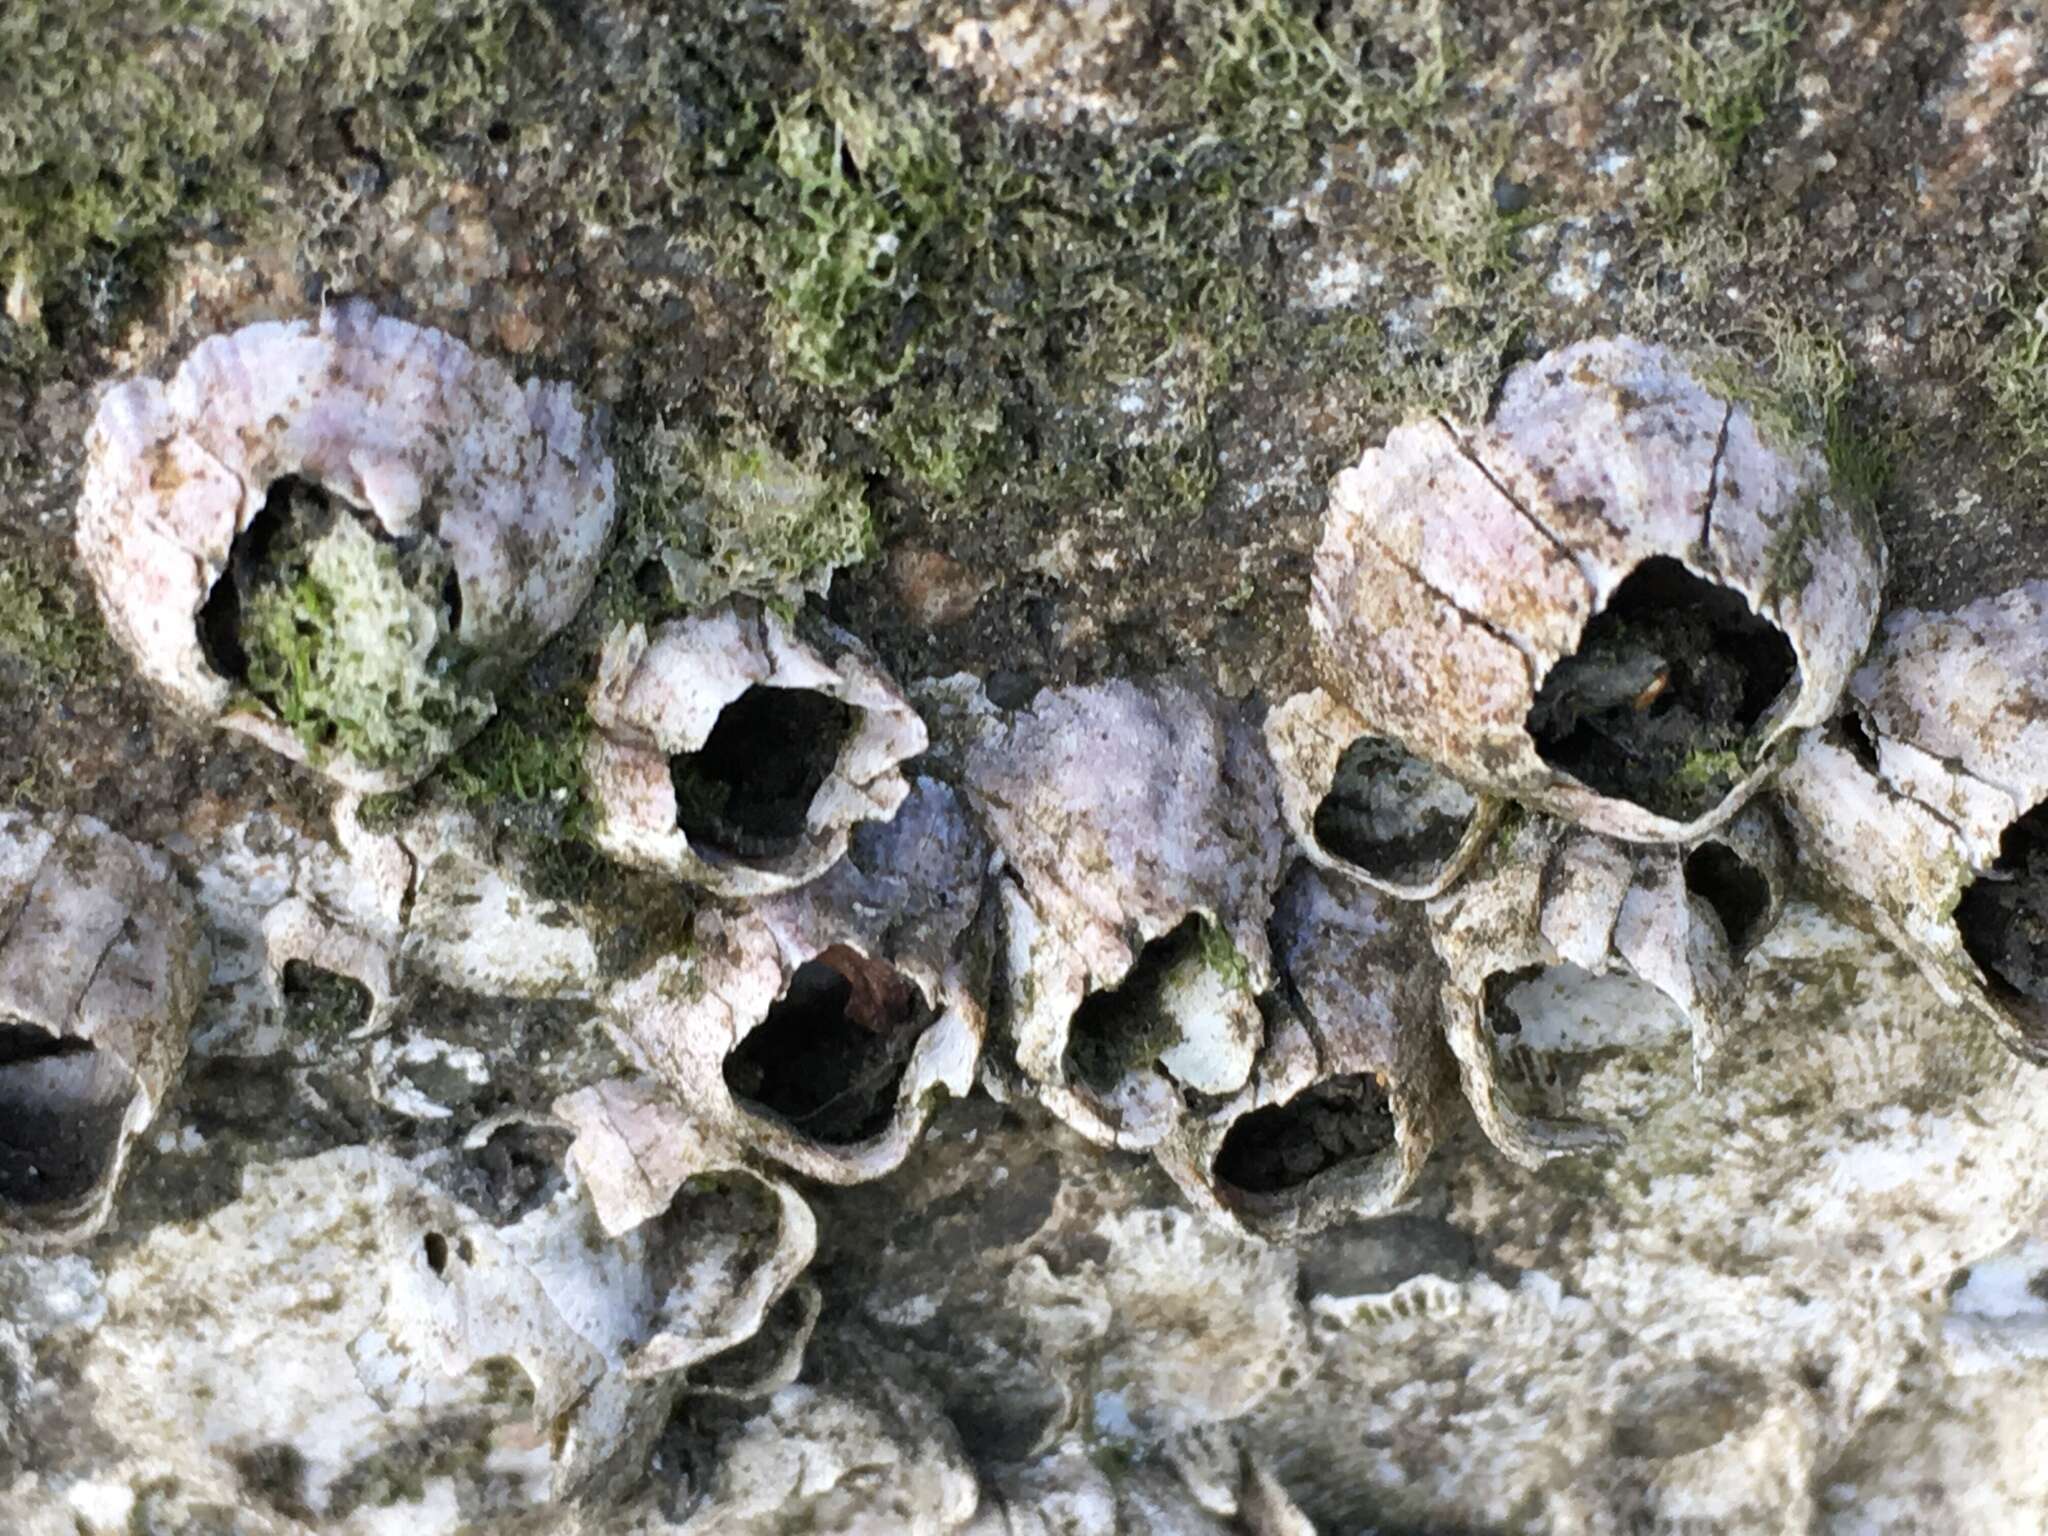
1126, 1028
1660, 703
1498, 1006
1396, 817
2003, 916
320, 1002
61, 1108
747, 792
829, 1058
1736, 890
1281, 1147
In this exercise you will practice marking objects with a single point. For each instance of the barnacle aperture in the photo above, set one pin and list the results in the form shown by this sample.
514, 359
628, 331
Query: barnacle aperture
1334, 1121
1395, 816
2003, 914
747, 792
61, 1106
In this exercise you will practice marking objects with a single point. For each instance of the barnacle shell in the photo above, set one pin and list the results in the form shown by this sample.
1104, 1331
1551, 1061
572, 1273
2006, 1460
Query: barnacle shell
1364, 807
1346, 1100
1125, 814
399, 421
101, 967
867, 971
660, 697
1560, 909
1952, 708
1460, 566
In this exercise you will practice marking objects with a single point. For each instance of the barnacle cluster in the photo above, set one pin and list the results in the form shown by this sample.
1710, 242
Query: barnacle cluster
1580, 669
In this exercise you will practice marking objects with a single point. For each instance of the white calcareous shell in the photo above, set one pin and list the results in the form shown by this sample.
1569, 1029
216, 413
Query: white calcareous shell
863, 988
1126, 815
1924, 805
400, 422
1460, 566
1577, 943
1347, 1098
659, 698
101, 967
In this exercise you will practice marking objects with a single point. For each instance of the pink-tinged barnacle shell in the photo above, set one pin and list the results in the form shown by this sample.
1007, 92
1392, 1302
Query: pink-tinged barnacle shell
1361, 805
1347, 1097
736, 754
1579, 925
101, 967
401, 423
1142, 847
1612, 602
1928, 803
815, 1026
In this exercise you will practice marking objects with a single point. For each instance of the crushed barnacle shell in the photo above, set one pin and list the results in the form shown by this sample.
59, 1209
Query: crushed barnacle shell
1142, 847
101, 967
815, 1026
1612, 602
1364, 806
1928, 803
1347, 1098
1564, 941
437, 456
737, 754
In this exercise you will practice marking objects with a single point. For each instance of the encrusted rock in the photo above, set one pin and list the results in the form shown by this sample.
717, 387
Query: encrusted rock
1612, 602
1928, 803
101, 967
338, 537
734, 753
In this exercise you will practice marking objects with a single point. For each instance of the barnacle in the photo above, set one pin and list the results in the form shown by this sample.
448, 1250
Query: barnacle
816, 1026
101, 967
1612, 602
338, 537
1927, 803
1142, 847
1345, 1103
737, 754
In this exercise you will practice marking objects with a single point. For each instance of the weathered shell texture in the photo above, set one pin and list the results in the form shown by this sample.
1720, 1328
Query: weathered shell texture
397, 420
101, 967
1344, 1104
1542, 944
664, 706
1461, 565
1926, 807
1127, 815
1365, 808
815, 1026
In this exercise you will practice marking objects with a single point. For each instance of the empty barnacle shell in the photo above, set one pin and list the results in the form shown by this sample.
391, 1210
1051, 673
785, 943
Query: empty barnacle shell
1142, 847
1928, 803
337, 537
817, 1025
1361, 804
1346, 1100
1564, 942
736, 754
101, 967
1612, 602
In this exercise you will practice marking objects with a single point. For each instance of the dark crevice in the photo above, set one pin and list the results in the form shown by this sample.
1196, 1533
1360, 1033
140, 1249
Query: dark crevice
436, 1248
1125, 1028
61, 1107
747, 792
1734, 888
1500, 1014
251, 561
829, 1058
1714, 484
320, 1002
2003, 916
1659, 704
1339, 1120
1852, 733
1393, 815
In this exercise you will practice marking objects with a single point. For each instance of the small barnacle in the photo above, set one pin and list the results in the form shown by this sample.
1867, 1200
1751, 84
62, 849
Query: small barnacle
737, 754
338, 538
1362, 805
1612, 602
1927, 803
101, 968
1565, 944
1142, 846
817, 1025
1345, 1103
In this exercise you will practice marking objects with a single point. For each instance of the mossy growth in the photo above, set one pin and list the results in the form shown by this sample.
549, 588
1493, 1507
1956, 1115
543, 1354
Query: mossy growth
50, 638
2015, 371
